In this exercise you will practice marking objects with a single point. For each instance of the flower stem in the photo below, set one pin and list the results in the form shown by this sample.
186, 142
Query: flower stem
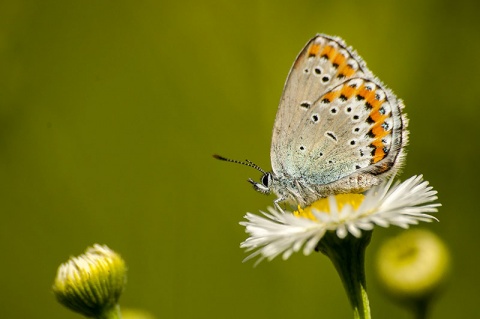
420, 308
348, 257
111, 313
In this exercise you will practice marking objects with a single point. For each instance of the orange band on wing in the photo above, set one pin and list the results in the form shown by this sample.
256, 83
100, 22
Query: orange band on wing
314, 50
378, 131
339, 60
327, 52
368, 95
332, 95
377, 117
348, 91
371, 98
379, 154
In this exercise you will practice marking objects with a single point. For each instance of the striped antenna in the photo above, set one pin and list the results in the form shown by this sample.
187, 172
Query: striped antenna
246, 163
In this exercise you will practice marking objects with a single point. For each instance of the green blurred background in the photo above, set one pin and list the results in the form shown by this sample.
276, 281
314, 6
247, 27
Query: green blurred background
110, 112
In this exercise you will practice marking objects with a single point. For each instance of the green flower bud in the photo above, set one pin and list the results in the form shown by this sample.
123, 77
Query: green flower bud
92, 283
412, 267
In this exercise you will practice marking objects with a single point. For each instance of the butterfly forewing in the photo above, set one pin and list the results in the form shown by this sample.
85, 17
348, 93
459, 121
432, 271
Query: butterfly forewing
323, 63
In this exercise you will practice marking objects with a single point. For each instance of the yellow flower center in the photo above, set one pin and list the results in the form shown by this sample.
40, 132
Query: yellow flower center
323, 205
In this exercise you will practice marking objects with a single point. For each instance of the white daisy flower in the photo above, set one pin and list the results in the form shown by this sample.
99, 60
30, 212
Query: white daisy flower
283, 233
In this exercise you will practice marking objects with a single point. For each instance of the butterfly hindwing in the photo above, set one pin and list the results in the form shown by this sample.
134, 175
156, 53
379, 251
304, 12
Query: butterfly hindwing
356, 127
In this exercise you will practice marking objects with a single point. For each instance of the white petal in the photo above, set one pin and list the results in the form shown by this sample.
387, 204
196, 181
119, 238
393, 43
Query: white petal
342, 231
352, 229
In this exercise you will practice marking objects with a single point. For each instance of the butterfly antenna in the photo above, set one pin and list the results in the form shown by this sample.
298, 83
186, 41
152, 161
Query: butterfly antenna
246, 163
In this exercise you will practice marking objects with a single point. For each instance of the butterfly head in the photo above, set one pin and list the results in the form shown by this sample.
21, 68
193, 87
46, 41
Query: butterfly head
265, 184
266, 181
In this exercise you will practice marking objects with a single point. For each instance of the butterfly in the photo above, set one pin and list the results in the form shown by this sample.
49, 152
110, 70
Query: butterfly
338, 129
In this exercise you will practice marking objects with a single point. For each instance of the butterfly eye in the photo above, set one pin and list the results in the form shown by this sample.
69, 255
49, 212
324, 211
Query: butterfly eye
266, 179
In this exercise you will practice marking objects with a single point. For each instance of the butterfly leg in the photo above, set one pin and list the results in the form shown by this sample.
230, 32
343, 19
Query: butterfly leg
277, 205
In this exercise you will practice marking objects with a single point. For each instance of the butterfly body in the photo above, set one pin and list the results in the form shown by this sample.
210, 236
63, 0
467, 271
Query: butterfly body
338, 129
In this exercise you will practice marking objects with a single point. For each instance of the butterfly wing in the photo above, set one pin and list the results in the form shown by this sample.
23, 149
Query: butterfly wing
355, 128
323, 63
329, 123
